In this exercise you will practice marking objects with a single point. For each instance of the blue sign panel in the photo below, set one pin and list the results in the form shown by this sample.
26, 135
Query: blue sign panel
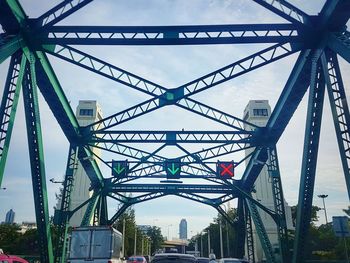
341, 226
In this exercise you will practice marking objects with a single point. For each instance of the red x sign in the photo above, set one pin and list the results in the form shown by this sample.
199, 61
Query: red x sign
225, 170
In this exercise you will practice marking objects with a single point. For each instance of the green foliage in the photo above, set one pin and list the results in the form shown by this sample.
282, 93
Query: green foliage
9, 235
228, 235
154, 234
314, 217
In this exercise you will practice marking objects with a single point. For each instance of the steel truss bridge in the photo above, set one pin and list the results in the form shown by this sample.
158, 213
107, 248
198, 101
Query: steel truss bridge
318, 41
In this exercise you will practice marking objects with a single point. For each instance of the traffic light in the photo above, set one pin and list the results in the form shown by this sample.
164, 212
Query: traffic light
225, 170
172, 168
120, 168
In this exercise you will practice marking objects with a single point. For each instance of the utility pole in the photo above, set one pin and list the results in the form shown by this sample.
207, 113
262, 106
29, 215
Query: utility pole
202, 245
208, 242
142, 240
135, 241
123, 238
221, 245
227, 240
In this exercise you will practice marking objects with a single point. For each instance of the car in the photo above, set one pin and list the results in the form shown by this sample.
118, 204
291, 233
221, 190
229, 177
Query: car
232, 260
4, 258
136, 259
173, 258
202, 260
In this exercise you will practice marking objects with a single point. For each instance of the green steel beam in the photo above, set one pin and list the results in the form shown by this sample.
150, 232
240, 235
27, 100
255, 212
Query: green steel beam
104, 211
340, 44
57, 100
36, 153
249, 234
9, 104
10, 47
309, 161
260, 229
63, 212
278, 198
340, 110
90, 210
17, 11
240, 229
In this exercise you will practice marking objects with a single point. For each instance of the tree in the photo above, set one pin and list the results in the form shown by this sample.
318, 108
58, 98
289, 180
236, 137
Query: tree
9, 234
130, 226
314, 216
156, 237
214, 230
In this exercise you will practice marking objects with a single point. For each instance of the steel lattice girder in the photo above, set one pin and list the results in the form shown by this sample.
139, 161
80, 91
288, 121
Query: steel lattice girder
8, 106
36, 154
62, 215
340, 109
308, 170
170, 137
170, 35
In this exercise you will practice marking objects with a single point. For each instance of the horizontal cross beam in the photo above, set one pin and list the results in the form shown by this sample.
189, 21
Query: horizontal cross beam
169, 188
170, 35
170, 137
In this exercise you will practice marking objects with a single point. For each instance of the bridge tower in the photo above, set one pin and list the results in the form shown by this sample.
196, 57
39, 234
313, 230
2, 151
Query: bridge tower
88, 111
258, 112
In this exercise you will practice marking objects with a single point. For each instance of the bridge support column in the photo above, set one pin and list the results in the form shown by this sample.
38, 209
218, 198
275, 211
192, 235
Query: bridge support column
308, 169
240, 230
260, 228
249, 234
9, 104
62, 215
36, 154
274, 174
340, 110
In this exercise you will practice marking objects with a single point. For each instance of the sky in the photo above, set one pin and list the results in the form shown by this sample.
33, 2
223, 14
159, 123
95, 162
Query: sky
171, 66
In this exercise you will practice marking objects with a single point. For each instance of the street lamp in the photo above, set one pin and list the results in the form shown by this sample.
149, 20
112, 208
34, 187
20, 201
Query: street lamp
208, 231
202, 244
227, 235
52, 180
221, 245
168, 231
324, 206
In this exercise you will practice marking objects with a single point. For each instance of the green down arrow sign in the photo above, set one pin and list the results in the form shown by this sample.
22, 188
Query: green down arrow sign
173, 169
119, 168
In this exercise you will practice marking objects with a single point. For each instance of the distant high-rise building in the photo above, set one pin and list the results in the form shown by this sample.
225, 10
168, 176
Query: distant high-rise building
10, 217
183, 229
258, 112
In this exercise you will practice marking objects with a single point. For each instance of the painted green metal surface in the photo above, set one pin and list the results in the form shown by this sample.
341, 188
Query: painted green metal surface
249, 234
278, 198
8, 106
260, 228
90, 210
340, 110
58, 90
36, 154
309, 161
63, 212
10, 47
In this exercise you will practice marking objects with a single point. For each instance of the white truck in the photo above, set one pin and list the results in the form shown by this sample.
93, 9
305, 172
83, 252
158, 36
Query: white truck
95, 244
